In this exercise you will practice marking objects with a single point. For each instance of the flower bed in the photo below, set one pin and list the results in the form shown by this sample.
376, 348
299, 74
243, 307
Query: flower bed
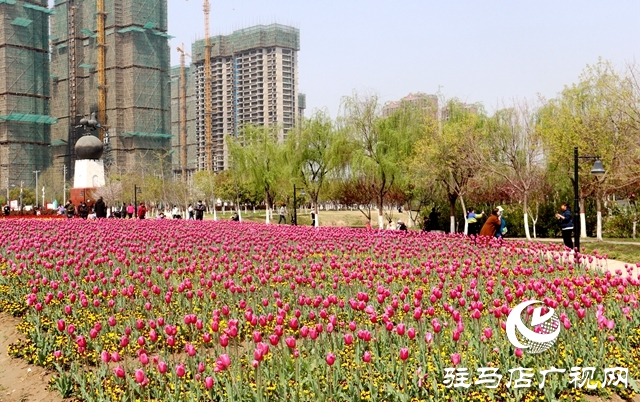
185, 310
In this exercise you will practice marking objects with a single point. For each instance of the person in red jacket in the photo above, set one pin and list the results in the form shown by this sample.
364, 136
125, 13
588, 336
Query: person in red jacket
142, 211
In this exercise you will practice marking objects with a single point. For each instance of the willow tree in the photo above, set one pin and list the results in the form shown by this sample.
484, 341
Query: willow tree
259, 153
512, 149
445, 152
597, 116
378, 145
314, 150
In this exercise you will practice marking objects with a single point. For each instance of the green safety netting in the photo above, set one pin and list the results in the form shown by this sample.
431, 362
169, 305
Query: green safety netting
38, 8
23, 22
147, 135
29, 118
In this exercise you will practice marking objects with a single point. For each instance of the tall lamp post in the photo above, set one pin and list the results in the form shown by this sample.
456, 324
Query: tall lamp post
36, 172
597, 170
295, 205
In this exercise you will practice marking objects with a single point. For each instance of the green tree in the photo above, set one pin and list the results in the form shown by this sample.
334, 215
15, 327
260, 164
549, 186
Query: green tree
28, 195
379, 145
512, 149
444, 153
315, 149
260, 154
597, 116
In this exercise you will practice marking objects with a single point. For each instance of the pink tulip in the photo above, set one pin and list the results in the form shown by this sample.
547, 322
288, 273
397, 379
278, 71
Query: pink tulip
208, 382
455, 359
348, 338
139, 376
519, 352
331, 358
404, 354
428, 337
162, 367
291, 342
366, 357
488, 333
119, 372
180, 370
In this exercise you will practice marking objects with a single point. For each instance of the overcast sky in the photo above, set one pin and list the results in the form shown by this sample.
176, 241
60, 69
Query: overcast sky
479, 51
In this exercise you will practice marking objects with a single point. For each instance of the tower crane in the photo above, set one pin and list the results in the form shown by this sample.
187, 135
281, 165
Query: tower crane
102, 77
183, 112
207, 87
208, 110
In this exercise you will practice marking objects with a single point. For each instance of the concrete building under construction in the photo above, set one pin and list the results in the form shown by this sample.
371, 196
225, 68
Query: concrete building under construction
254, 79
119, 47
183, 109
25, 122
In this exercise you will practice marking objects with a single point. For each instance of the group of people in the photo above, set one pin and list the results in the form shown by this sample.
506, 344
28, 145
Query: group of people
494, 226
99, 210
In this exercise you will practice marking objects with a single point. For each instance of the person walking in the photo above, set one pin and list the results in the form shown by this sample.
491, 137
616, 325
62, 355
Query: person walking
282, 211
190, 212
142, 211
199, 211
491, 225
101, 208
566, 224
130, 210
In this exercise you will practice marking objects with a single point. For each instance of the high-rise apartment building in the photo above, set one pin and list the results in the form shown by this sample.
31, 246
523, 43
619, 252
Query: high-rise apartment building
254, 79
25, 132
137, 86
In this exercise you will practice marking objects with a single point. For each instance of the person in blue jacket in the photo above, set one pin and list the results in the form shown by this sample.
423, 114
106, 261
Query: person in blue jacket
566, 224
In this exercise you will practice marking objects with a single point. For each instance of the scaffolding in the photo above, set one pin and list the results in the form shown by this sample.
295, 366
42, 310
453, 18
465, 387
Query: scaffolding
136, 73
259, 36
176, 108
24, 91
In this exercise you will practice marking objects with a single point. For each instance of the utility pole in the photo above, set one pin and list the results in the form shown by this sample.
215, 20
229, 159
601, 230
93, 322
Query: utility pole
44, 203
36, 172
21, 184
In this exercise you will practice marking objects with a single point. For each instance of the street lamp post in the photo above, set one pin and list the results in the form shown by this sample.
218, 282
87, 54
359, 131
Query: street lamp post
135, 197
36, 172
21, 184
597, 170
295, 210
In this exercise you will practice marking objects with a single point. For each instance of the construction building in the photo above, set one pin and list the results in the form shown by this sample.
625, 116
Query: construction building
112, 55
302, 104
254, 79
418, 99
177, 105
25, 121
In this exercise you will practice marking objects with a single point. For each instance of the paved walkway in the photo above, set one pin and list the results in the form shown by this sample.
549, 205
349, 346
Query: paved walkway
604, 265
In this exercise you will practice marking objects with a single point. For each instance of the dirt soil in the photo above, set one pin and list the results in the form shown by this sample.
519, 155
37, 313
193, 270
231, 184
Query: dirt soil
19, 381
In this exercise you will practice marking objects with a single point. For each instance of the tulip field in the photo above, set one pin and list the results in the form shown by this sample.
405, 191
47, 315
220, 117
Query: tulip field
177, 310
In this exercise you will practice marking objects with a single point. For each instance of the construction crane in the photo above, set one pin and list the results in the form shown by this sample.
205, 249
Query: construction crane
207, 87
183, 112
102, 77
208, 110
